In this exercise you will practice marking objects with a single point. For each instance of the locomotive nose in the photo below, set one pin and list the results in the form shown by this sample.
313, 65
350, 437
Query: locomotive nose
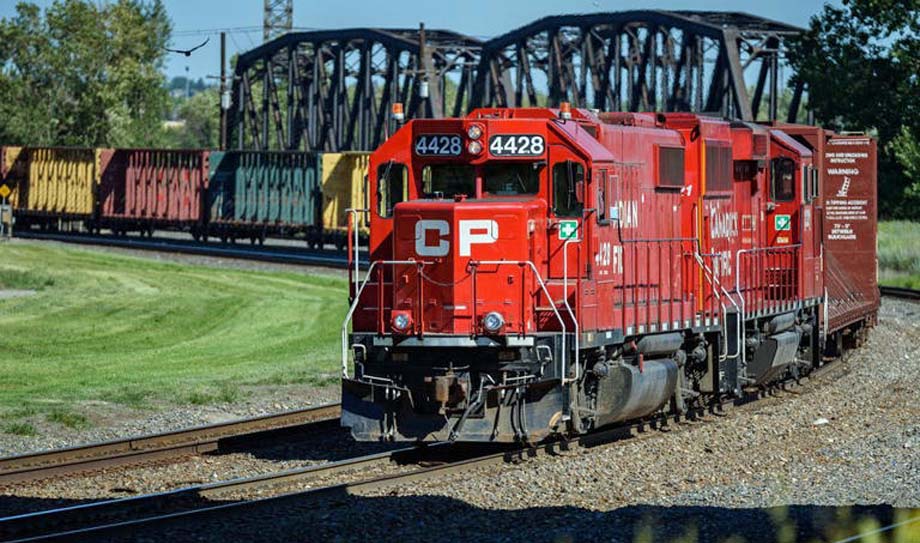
472, 280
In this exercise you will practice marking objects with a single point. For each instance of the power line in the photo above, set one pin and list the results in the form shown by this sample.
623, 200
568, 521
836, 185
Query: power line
202, 31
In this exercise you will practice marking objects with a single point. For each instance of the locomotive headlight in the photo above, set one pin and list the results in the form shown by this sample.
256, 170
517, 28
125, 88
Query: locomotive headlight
474, 132
493, 321
401, 321
474, 147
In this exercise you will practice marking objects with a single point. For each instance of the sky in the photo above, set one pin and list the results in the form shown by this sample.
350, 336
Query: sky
196, 20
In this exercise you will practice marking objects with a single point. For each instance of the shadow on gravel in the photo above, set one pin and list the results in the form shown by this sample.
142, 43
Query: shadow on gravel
437, 518
328, 443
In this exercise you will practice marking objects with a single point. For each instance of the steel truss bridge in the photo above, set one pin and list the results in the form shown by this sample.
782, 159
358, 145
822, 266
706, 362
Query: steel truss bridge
333, 90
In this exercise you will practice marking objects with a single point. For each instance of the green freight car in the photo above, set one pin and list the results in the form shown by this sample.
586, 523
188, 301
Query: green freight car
258, 194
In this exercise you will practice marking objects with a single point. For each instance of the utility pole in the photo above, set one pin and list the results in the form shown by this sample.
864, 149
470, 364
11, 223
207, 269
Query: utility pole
278, 18
430, 85
224, 92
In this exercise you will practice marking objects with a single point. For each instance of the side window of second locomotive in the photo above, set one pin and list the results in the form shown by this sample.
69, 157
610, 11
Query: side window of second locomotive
568, 180
392, 187
782, 179
601, 182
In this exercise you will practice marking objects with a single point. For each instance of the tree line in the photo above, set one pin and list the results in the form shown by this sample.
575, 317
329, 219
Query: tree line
89, 73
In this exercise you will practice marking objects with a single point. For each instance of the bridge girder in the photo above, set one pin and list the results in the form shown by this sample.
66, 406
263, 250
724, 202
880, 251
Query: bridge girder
333, 90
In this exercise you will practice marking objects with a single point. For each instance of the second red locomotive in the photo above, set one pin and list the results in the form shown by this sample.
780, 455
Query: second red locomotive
538, 272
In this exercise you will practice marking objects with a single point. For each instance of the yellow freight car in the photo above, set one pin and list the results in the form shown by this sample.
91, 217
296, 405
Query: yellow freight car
344, 178
55, 182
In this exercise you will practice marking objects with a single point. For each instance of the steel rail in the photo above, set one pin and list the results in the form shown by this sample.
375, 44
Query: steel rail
193, 504
109, 514
278, 254
178, 443
899, 292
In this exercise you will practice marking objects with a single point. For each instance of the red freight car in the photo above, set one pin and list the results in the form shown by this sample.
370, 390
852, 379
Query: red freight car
147, 189
846, 198
537, 272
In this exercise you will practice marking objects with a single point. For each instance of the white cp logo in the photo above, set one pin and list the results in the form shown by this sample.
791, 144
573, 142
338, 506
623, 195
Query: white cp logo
472, 231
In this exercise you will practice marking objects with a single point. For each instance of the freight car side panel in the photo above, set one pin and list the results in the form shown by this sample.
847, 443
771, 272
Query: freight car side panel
343, 186
850, 229
264, 188
154, 186
56, 181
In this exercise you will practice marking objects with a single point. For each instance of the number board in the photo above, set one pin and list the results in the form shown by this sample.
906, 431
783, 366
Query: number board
438, 145
517, 145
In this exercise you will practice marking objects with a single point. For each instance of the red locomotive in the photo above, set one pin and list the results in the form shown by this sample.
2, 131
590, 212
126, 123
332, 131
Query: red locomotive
536, 272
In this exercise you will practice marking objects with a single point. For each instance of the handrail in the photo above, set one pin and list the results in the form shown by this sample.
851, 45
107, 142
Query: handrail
357, 299
717, 286
353, 244
698, 257
741, 297
753, 250
548, 297
565, 300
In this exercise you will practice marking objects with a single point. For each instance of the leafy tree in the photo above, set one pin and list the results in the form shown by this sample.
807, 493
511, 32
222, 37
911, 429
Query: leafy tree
906, 148
861, 63
84, 73
201, 115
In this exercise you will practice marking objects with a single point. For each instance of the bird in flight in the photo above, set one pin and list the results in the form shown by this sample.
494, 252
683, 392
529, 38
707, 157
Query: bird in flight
188, 52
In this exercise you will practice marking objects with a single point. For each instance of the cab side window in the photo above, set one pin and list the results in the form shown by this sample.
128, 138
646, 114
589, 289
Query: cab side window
782, 179
392, 187
568, 181
809, 184
602, 201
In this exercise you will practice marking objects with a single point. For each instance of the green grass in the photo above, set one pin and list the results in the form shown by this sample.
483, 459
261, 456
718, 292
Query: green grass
19, 429
67, 418
134, 331
899, 254
11, 278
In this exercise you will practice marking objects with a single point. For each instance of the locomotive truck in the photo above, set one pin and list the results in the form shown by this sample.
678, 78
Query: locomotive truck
540, 272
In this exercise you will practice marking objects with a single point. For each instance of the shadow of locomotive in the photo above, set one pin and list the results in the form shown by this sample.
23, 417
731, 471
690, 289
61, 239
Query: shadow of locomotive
437, 518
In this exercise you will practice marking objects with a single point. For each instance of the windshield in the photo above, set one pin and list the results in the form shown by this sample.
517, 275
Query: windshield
448, 180
509, 179
498, 179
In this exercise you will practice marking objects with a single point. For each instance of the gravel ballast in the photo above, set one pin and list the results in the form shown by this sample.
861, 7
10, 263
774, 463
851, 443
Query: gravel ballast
821, 462
812, 463
113, 421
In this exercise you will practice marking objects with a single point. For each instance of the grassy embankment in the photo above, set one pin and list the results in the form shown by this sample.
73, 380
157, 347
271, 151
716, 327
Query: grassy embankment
899, 254
138, 332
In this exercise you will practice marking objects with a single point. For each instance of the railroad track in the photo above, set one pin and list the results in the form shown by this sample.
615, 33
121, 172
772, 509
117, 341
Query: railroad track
191, 505
270, 253
899, 292
164, 446
113, 517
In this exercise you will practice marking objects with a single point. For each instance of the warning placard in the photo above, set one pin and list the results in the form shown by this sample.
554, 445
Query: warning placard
849, 165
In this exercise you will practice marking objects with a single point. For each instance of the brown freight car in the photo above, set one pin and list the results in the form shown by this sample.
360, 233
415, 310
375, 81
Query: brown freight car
848, 204
152, 189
